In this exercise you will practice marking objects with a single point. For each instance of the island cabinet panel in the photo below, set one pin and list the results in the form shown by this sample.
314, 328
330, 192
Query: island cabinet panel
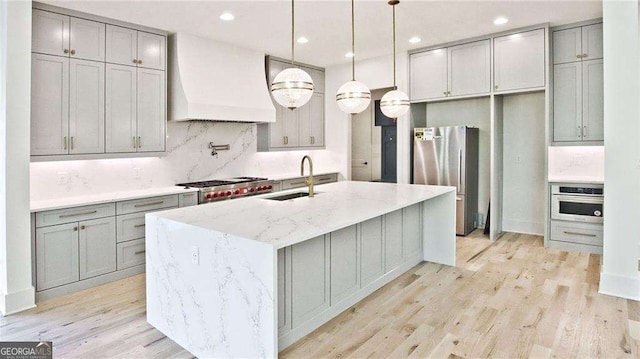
97, 245
57, 255
372, 251
393, 240
309, 279
284, 290
412, 236
345, 271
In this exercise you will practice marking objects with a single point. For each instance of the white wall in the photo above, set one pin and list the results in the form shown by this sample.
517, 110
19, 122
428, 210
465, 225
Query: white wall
15, 241
582, 162
619, 275
470, 112
523, 183
376, 73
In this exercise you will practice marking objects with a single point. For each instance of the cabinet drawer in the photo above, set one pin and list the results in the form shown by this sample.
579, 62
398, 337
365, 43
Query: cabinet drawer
147, 204
293, 183
75, 214
188, 199
333, 177
131, 253
582, 233
130, 226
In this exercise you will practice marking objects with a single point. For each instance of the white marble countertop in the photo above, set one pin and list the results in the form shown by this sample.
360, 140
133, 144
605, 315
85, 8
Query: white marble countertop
283, 223
576, 179
50, 204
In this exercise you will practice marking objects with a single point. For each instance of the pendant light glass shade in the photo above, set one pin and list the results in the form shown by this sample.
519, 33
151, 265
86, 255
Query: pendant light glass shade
394, 104
292, 87
353, 97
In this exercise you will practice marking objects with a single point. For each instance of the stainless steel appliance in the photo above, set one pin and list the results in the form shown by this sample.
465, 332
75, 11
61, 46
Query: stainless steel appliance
583, 203
219, 190
448, 156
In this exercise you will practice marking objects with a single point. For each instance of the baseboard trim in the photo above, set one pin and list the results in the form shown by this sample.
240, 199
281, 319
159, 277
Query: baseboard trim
11, 303
527, 227
619, 286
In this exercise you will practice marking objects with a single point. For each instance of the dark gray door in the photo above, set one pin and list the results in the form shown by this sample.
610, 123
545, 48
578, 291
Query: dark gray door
389, 154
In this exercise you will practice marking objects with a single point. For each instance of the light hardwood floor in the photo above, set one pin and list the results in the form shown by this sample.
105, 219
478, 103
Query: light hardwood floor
508, 299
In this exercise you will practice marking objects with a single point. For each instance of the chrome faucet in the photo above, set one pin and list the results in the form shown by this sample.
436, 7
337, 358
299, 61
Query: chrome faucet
309, 180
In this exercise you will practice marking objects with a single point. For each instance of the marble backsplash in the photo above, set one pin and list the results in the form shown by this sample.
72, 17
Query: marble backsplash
188, 158
576, 161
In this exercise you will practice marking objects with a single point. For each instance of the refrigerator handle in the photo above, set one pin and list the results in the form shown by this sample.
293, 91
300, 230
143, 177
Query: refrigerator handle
459, 169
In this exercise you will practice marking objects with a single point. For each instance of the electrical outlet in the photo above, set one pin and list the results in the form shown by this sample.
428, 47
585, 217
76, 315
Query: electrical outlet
136, 173
63, 178
518, 159
195, 255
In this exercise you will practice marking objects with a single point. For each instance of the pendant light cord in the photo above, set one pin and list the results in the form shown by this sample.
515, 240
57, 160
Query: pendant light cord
394, 47
353, 42
293, 37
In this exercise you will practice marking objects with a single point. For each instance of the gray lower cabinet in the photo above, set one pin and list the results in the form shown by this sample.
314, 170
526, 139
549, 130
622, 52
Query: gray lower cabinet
130, 253
372, 251
309, 279
345, 268
57, 255
412, 236
284, 290
97, 245
393, 240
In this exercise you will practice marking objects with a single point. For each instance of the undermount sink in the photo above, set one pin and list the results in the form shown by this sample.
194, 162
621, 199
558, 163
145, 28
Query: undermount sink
285, 197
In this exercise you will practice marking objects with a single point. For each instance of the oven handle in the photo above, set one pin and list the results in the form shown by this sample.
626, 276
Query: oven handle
580, 199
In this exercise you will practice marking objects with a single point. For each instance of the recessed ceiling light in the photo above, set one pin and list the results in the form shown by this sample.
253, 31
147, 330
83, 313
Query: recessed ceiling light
500, 20
227, 16
348, 54
415, 40
302, 40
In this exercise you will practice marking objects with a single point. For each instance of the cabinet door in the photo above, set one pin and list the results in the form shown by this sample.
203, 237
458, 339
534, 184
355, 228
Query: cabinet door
592, 101
429, 75
309, 279
393, 240
49, 105
277, 132
519, 61
567, 102
50, 33
345, 267
318, 79
152, 50
372, 249
56, 255
567, 45
592, 42
120, 108
412, 236
311, 122
97, 245
470, 68
122, 45
151, 117
87, 39
86, 107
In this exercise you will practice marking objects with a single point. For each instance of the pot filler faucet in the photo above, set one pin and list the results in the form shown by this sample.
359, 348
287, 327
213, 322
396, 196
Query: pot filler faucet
309, 180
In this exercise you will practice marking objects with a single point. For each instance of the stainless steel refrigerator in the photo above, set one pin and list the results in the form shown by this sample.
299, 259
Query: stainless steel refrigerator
448, 156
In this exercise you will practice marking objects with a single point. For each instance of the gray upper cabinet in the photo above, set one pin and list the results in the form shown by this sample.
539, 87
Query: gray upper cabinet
50, 33
49, 105
56, 256
459, 70
519, 61
97, 246
578, 88
86, 39
86, 107
103, 91
295, 129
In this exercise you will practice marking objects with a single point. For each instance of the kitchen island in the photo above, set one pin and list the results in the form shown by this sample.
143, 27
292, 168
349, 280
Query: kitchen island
248, 277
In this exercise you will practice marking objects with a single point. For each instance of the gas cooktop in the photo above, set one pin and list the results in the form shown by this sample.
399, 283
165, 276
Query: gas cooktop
229, 188
223, 182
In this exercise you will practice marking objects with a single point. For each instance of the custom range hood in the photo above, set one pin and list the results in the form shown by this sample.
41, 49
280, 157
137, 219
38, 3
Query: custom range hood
214, 81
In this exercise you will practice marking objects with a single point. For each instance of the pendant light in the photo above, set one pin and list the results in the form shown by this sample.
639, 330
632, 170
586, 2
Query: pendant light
394, 103
292, 87
353, 97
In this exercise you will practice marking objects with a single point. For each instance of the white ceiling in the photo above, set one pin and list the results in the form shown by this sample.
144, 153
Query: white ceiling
265, 25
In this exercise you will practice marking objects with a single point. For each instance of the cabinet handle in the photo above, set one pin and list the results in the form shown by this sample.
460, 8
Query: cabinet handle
585, 133
139, 252
579, 132
284, 140
65, 142
71, 142
495, 87
584, 55
78, 214
82, 227
139, 141
445, 93
134, 142
578, 56
135, 61
66, 51
297, 183
139, 225
73, 52
139, 62
580, 234
75, 229
148, 204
